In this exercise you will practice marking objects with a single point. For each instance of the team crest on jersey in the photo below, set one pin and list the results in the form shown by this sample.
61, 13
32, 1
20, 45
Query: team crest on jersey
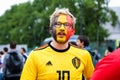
76, 62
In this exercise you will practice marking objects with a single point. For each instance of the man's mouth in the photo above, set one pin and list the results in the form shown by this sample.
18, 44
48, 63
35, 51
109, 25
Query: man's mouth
61, 34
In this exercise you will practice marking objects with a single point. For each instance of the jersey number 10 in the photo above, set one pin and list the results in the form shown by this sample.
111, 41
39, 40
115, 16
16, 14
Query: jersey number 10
63, 74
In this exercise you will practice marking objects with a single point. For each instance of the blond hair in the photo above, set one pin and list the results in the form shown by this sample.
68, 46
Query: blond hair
65, 11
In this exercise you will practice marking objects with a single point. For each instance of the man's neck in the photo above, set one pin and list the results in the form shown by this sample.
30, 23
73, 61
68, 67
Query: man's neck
58, 45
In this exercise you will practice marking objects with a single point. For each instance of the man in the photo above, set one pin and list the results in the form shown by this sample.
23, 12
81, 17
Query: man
58, 60
108, 68
5, 50
1, 54
83, 42
23, 52
12, 64
108, 50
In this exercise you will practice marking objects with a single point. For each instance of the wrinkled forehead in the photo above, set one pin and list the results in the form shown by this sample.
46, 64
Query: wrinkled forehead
64, 19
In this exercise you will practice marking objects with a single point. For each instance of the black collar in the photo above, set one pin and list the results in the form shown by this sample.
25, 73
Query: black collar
63, 50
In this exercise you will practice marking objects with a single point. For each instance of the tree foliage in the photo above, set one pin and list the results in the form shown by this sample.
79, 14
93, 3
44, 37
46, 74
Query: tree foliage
28, 23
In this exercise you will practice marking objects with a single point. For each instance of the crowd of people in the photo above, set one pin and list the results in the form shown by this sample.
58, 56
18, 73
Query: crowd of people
9, 70
59, 59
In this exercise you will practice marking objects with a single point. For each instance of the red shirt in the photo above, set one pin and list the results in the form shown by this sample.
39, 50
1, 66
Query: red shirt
108, 68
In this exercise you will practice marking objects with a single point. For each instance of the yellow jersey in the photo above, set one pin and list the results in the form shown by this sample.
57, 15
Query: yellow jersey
48, 63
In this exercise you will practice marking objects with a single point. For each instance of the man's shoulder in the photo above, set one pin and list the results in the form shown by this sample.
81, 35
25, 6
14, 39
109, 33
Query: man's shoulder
41, 47
40, 50
13, 53
80, 50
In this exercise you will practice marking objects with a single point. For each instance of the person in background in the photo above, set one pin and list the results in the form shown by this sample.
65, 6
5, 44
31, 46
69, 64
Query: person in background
12, 63
23, 52
108, 50
58, 60
5, 50
83, 43
1, 54
108, 68
119, 45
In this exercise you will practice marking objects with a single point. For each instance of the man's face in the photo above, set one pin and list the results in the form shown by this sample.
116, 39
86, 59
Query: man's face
62, 28
80, 43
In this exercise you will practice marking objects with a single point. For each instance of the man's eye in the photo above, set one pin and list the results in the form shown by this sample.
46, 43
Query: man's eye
67, 24
58, 24
64, 24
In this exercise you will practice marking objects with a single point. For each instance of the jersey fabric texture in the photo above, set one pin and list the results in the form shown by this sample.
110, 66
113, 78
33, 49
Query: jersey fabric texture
48, 63
108, 68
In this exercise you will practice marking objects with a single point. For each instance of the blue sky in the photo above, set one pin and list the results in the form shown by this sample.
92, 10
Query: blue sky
6, 4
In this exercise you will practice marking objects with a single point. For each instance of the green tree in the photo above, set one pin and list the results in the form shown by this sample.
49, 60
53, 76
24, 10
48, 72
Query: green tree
29, 22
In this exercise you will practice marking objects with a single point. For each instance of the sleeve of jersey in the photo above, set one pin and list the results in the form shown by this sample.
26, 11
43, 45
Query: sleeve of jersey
89, 68
29, 71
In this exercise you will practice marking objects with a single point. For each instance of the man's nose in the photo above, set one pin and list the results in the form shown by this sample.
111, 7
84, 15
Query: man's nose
62, 27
